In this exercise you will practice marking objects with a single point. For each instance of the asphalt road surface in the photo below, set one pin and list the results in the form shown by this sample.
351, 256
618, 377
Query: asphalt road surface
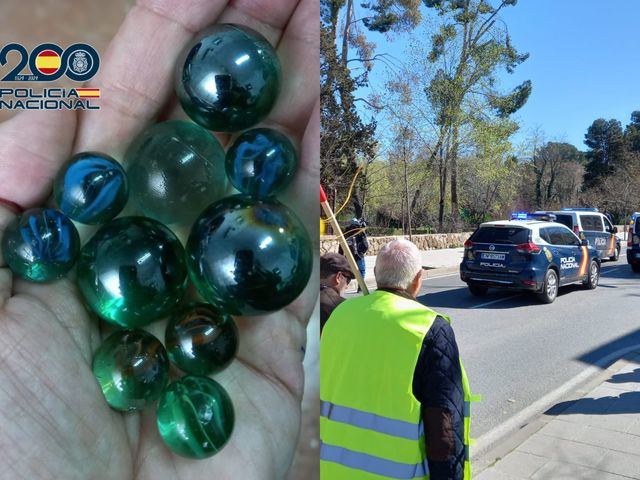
516, 350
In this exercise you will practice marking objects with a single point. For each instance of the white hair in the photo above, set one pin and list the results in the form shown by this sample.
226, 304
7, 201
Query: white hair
397, 264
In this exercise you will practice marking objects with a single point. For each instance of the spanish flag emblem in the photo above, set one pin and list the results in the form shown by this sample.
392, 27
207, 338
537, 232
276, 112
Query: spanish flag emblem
48, 62
88, 92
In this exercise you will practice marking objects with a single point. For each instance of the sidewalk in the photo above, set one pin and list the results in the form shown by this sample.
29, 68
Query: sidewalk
435, 262
596, 436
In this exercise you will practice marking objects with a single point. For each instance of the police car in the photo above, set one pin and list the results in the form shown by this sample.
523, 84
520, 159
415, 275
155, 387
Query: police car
633, 242
589, 223
530, 252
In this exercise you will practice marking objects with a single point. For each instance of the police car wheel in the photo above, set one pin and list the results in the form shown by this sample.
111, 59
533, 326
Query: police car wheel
594, 275
550, 288
478, 290
616, 255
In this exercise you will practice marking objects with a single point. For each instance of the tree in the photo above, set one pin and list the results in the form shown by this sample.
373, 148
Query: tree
606, 144
556, 165
470, 46
632, 133
345, 138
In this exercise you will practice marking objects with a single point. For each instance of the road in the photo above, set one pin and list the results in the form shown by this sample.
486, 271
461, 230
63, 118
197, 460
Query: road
517, 350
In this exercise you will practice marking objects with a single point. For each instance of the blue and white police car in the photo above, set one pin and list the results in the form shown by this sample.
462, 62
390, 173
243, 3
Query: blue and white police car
530, 252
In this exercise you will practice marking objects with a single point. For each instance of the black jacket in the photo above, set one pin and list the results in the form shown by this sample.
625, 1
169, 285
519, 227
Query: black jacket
437, 385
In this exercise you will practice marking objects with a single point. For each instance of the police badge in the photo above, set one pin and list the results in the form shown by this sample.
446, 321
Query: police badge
80, 63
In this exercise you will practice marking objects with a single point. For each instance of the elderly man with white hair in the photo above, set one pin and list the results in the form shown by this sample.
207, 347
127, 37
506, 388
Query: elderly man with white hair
395, 397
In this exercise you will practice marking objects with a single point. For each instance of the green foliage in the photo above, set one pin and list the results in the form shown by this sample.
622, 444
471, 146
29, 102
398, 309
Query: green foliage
506, 105
605, 140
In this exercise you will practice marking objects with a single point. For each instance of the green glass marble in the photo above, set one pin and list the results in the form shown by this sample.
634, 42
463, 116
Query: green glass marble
40, 245
261, 162
249, 256
175, 170
195, 417
132, 368
132, 271
229, 78
201, 339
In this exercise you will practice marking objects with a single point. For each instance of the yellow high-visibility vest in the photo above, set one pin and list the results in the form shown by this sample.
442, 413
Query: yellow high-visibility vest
371, 424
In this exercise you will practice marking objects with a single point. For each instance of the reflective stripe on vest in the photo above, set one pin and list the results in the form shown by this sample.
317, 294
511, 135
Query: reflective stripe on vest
371, 421
371, 464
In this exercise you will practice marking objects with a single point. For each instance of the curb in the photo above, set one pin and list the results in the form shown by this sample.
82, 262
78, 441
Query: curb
493, 446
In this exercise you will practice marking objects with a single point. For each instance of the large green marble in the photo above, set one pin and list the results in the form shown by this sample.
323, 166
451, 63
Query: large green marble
229, 78
132, 369
132, 271
249, 256
201, 339
40, 245
175, 170
195, 417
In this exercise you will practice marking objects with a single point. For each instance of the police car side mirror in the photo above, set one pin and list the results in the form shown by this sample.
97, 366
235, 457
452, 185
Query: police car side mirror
615, 229
584, 242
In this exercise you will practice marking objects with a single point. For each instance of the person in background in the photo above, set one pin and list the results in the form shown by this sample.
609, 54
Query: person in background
357, 242
335, 276
395, 400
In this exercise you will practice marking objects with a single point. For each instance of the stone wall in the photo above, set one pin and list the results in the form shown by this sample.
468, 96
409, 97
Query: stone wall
328, 243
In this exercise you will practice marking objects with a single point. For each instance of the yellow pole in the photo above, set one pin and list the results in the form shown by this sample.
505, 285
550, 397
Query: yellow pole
343, 242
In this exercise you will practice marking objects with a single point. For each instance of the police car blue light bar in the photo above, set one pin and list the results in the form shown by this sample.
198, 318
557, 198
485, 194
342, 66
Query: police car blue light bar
542, 216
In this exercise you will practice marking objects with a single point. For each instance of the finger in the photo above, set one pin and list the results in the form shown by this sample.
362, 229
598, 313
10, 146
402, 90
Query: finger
137, 75
299, 50
33, 145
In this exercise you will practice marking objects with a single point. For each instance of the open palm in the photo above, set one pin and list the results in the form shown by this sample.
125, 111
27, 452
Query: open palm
54, 422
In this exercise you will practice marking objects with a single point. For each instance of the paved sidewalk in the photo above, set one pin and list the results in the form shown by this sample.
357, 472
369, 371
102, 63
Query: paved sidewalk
594, 437
436, 262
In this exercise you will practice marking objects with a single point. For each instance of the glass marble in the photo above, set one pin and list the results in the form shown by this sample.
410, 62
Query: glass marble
132, 271
195, 417
132, 368
261, 162
201, 339
91, 188
40, 245
229, 78
175, 170
249, 256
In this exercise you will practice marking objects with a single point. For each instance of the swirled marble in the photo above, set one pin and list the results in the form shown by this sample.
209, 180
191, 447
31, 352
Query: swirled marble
201, 339
91, 188
261, 162
41, 244
195, 417
132, 369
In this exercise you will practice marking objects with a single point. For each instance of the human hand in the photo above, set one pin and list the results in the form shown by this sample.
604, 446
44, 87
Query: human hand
54, 421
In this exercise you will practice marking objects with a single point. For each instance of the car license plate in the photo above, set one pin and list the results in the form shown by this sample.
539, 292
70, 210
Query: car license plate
492, 256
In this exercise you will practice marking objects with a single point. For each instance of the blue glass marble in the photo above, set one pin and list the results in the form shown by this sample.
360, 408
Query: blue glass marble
91, 188
40, 245
229, 78
261, 162
249, 256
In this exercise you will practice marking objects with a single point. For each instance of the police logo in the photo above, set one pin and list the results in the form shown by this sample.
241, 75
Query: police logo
80, 62
492, 247
548, 254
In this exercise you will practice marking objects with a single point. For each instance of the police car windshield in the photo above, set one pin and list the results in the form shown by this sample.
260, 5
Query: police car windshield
566, 220
501, 235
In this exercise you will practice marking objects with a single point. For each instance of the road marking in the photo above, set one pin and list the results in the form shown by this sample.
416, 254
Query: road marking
443, 276
609, 270
523, 417
495, 301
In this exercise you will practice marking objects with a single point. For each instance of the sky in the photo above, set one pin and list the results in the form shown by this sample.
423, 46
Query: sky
584, 64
